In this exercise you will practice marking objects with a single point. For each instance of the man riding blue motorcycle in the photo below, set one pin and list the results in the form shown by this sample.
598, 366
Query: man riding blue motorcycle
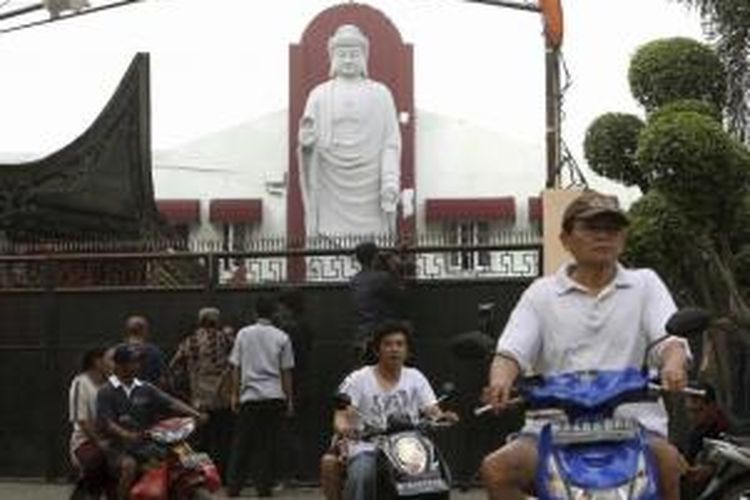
593, 314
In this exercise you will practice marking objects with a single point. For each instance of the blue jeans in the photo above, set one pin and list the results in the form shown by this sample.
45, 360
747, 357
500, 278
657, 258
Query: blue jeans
361, 477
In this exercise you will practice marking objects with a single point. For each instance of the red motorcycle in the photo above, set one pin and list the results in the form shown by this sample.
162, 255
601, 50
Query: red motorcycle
177, 471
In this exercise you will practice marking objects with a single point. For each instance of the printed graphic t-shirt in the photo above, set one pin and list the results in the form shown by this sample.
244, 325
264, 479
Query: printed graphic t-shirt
409, 396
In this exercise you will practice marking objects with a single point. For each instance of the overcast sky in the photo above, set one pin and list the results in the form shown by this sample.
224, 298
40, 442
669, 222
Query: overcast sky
218, 63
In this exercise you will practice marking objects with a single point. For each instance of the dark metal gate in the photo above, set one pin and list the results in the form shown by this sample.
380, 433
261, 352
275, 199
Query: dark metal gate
55, 304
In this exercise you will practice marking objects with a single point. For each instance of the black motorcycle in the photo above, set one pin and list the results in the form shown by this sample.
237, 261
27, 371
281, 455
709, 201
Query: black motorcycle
409, 464
730, 458
727, 455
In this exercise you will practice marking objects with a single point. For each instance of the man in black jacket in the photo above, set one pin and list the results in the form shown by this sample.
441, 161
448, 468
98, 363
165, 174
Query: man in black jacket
376, 295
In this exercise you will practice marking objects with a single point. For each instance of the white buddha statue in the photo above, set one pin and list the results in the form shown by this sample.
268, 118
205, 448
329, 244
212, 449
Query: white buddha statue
349, 146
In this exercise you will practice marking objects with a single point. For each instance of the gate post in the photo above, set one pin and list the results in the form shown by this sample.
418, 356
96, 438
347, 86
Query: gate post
212, 261
51, 344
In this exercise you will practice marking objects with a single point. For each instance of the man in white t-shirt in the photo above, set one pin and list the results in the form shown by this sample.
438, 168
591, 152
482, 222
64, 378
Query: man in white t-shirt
592, 314
86, 445
377, 391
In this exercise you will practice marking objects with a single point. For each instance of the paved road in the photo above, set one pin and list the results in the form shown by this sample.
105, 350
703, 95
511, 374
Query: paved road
33, 490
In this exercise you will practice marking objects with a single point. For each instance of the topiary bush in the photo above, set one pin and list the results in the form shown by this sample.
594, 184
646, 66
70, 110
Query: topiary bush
672, 69
610, 146
686, 105
696, 165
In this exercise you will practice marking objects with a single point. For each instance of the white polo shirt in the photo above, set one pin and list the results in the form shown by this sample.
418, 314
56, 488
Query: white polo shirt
558, 327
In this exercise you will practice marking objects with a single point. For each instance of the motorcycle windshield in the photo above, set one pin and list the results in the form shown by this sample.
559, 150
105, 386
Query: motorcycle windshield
605, 465
585, 392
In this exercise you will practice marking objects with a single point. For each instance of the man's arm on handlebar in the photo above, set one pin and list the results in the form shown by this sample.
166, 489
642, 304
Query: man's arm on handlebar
179, 407
116, 430
503, 373
184, 409
674, 361
436, 413
342, 422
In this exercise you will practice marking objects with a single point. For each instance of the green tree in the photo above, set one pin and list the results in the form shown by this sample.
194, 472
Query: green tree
696, 168
610, 147
693, 223
684, 105
727, 23
672, 69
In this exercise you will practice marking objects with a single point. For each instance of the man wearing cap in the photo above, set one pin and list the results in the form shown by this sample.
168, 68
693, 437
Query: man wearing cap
592, 314
349, 147
126, 407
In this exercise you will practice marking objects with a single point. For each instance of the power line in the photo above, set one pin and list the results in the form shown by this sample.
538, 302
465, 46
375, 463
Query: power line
31, 8
21, 11
527, 6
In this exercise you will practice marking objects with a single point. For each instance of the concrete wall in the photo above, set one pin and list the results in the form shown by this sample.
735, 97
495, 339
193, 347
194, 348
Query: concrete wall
453, 159
554, 202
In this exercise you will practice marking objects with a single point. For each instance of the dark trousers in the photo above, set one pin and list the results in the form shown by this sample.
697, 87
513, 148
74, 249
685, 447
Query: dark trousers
215, 438
255, 440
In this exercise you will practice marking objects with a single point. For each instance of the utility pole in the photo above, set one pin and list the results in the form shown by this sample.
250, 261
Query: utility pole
553, 115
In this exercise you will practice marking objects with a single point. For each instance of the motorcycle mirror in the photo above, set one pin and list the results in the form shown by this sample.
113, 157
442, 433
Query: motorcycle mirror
448, 389
472, 345
341, 401
485, 307
687, 322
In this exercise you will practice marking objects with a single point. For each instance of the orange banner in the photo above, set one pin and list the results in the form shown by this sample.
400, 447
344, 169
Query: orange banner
553, 21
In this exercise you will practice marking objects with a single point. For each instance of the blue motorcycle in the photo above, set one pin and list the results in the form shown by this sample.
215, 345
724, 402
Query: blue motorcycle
584, 451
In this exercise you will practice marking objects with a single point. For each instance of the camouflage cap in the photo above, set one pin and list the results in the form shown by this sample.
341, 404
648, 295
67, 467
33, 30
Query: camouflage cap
591, 204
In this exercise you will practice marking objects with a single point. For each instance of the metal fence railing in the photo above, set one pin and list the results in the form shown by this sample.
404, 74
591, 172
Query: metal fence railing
202, 264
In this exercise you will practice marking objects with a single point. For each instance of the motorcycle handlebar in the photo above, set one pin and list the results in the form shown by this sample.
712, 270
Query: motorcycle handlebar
688, 391
420, 425
481, 410
517, 401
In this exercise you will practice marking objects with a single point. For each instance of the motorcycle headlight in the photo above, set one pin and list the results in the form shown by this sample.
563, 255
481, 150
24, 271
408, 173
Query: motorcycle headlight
635, 488
558, 489
621, 493
411, 454
170, 435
